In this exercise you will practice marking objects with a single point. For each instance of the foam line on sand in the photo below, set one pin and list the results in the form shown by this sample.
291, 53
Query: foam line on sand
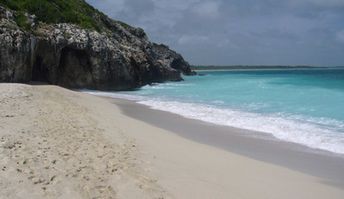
56, 143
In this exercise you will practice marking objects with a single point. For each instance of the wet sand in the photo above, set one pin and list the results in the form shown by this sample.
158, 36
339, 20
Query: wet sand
57, 143
256, 145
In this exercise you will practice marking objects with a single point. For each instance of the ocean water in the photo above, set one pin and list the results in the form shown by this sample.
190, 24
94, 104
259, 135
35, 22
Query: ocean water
304, 106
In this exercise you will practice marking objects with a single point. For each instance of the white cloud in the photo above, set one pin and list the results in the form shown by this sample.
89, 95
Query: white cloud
259, 30
175, 5
207, 9
165, 13
330, 3
340, 36
322, 3
192, 39
108, 5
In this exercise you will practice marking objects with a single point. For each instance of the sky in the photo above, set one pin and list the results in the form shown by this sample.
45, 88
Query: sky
240, 32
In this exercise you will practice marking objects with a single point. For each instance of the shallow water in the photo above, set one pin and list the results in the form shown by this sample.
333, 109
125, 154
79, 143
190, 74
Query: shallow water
304, 106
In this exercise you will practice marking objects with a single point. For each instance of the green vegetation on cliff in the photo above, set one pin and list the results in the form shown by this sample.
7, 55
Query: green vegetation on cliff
56, 11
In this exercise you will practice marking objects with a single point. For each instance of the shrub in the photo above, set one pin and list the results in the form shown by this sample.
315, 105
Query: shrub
55, 11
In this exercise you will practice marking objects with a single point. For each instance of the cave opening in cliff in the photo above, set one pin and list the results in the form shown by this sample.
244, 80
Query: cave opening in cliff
39, 70
74, 69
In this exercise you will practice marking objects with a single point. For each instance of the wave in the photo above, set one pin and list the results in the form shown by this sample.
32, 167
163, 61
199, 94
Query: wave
319, 133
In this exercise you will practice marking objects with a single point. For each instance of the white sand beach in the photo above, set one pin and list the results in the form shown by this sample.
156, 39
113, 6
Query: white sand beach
57, 143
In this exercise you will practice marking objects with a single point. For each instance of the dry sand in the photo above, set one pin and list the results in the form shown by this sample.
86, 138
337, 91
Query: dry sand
56, 143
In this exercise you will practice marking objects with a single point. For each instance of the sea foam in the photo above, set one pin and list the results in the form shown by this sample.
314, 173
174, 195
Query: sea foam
317, 133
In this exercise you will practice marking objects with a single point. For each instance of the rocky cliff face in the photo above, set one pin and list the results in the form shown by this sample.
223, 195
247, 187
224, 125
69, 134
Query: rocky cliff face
119, 58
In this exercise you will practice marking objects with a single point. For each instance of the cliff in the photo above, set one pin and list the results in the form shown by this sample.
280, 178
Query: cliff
93, 52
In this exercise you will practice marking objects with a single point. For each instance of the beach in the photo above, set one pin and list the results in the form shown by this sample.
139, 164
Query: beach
58, 143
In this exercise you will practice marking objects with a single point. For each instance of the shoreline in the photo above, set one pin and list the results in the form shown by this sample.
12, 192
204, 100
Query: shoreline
214, 69
255, 145
318, 133
58, 143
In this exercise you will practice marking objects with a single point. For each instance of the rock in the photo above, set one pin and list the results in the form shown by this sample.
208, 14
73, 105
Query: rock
119, 58
171, 59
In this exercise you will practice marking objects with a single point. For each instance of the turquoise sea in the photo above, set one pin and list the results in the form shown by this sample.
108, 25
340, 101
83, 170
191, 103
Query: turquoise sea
304, 106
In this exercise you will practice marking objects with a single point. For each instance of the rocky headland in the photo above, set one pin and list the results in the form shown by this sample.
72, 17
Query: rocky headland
106, 55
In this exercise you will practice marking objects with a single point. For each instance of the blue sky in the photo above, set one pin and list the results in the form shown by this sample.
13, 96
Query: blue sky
247, 32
